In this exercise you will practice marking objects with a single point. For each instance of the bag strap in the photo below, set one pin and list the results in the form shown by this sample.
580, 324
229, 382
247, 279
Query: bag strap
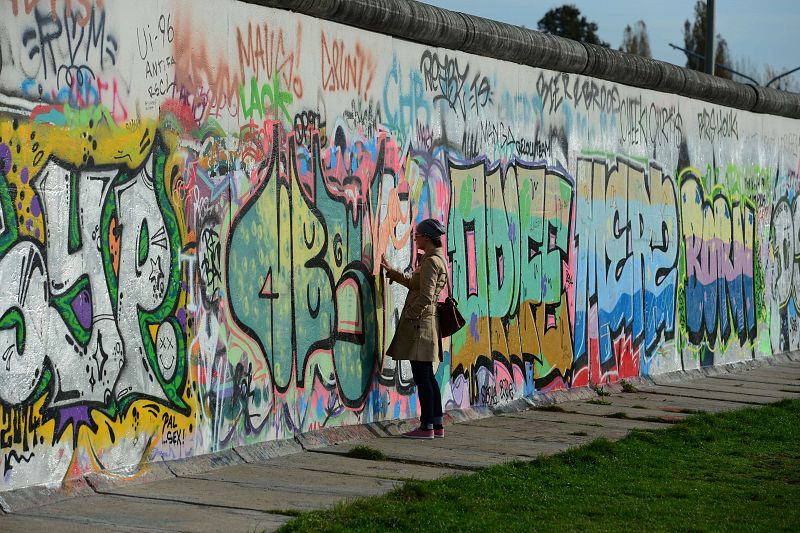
447, 277
438, 326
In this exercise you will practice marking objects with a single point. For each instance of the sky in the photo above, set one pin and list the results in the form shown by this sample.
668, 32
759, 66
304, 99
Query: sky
767, 31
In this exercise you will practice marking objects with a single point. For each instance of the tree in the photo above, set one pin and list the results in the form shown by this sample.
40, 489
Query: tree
635, 40
694, 40
566, 21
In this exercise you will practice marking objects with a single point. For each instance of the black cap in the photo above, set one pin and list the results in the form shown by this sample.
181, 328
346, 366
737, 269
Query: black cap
430, 227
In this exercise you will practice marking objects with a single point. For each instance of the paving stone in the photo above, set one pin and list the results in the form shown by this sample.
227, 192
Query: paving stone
326, 462
526, 439
545, 431
510, 423
673, 390
116, 513
714, 386
298, 480
229, 495
577, 419
756, 381
672, 404
650, 415
419, 451
782, 371
18, 523
397, 427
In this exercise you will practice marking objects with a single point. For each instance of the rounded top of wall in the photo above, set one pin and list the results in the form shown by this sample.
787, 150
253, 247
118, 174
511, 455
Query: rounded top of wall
439, 27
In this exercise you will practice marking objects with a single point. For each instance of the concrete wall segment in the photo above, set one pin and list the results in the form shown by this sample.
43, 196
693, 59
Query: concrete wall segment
194, 203
412, 20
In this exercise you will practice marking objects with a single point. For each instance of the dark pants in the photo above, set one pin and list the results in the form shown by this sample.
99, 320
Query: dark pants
430, 397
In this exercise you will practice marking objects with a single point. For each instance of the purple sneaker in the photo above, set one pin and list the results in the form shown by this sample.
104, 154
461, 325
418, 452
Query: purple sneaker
438, 433
419, 433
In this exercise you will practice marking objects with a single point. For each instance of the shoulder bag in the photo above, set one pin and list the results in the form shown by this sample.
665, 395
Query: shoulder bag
450, 319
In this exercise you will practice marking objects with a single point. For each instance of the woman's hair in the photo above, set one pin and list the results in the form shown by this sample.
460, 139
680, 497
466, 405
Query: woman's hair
437, 242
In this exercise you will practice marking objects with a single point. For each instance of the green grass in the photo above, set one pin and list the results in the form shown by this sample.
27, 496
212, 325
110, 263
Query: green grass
732, 471
599, 401
627, 386
600, 391
365, 452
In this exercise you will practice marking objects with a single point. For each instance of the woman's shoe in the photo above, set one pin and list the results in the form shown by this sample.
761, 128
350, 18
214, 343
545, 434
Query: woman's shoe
419, 433
438, 433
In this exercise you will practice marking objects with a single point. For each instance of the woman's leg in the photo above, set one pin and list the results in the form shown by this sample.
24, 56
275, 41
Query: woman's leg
422, 373
436, 399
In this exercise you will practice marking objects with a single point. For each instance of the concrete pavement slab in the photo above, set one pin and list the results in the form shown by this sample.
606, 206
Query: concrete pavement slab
671, 404
507, 448
649, 415
675, 390
769, 376
531, 439
549, 431
714, 386
758, 388
227, 495
396, 427
512, 424
117, 513
326, 462
758, 380
420, 452
577, 419
290, 479
780, 371
17, 523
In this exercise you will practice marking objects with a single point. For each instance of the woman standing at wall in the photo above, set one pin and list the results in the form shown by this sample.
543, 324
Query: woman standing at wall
417, 336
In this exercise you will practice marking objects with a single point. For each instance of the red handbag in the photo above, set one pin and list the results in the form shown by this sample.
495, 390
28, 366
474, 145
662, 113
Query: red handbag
450, 319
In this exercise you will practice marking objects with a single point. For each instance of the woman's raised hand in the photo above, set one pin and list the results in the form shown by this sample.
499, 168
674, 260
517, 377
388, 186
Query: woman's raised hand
387, 270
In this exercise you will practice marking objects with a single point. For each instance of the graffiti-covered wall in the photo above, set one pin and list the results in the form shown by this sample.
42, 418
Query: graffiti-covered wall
194, 202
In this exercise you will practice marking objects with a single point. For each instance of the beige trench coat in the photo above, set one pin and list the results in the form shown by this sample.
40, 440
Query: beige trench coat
417, 334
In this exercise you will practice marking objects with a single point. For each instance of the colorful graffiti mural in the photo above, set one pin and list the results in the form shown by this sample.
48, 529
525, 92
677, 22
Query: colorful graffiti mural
627, 244
718, 245
191, 223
